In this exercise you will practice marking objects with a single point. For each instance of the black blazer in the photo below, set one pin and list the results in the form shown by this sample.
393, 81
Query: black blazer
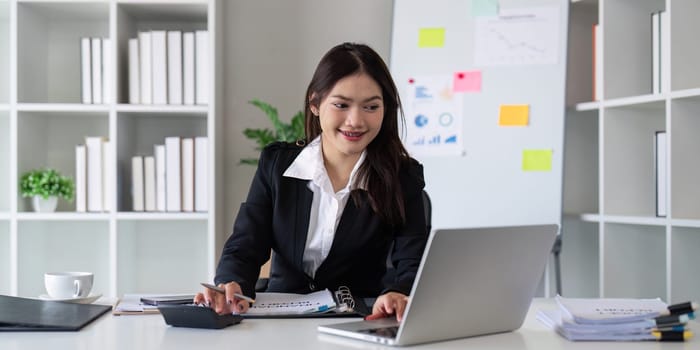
276, 215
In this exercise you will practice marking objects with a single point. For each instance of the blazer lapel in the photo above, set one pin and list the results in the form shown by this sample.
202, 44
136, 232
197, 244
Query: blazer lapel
301, 227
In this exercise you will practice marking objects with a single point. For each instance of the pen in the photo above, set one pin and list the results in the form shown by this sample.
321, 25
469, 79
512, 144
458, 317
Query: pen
223, 291
672, 336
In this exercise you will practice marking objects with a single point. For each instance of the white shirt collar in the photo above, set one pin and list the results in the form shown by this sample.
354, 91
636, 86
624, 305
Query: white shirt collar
308, 165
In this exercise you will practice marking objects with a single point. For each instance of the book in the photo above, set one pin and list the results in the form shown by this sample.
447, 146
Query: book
80, 178
94, 173
149, 183
665, 46
655, 53
107, 175
175, 67
188, 70
159, 155
106, 71
660, 173
134, 72
85, 70
96, 59
201, 174
137, 183
202, 67
597, 63
145, 68
187, 174
172, 175
159, 67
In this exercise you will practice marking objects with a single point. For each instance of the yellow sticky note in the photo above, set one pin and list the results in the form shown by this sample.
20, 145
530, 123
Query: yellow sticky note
537, 160
431, 37
513, 115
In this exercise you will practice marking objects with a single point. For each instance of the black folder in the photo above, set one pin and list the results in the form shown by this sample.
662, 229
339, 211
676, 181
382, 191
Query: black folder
23, 314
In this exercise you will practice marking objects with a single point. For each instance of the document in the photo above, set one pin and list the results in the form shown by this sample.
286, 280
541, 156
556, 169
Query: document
269, 304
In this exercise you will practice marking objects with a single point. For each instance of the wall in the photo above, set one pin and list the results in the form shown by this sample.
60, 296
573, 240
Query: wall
271, 49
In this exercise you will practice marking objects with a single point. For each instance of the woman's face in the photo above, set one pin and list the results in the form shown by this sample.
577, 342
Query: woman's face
351, 116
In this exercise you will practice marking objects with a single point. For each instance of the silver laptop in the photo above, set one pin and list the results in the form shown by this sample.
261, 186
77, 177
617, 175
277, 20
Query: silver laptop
470, 282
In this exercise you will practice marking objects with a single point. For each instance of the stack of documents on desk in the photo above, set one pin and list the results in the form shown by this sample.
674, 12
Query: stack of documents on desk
619, 319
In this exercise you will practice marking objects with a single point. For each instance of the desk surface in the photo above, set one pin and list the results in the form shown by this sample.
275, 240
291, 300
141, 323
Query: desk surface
150, 332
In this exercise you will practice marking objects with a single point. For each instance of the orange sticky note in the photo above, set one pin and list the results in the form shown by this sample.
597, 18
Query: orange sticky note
537, 160
431, 37
467, 81
514, 115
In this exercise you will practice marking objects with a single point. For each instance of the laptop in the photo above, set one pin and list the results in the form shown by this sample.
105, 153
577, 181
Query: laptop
470, 282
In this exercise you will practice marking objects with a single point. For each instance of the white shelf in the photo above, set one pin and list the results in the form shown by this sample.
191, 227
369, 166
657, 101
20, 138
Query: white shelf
610, 153
42, 119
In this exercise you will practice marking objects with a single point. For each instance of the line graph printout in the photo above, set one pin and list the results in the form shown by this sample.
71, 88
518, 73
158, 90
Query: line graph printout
517, 36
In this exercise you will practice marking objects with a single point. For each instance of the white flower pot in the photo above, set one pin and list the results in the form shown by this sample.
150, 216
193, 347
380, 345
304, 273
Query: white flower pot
42, 205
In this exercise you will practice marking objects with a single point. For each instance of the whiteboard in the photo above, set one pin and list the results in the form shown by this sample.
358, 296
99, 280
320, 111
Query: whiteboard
495, 168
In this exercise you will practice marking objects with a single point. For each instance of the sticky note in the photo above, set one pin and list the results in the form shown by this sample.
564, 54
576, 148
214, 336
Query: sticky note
513, 115
467, 81
484, 8
431, 37
537, 160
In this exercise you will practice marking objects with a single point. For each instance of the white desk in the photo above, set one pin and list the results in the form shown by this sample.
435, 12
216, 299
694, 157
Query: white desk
150, 332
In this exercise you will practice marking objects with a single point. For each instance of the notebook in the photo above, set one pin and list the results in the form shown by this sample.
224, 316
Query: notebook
23, 314
470, 282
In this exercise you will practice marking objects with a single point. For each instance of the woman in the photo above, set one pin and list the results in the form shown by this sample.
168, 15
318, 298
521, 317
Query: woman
331, 209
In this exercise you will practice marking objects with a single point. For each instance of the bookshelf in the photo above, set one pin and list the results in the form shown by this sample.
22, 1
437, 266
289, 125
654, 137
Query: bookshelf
618, 246
42, 119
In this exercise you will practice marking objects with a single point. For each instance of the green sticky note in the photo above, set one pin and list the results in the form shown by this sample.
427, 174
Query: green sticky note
484, 8
537, 160
431, 37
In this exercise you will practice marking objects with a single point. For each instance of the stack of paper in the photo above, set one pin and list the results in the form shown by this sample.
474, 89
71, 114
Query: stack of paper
619, 319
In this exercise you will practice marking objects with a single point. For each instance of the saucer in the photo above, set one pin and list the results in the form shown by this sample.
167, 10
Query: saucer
84, 300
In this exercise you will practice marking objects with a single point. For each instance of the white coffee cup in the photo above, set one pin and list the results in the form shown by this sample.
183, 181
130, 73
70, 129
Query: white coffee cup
68, 285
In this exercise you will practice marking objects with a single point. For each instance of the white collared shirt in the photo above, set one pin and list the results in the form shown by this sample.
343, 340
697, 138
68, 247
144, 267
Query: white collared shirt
327, 206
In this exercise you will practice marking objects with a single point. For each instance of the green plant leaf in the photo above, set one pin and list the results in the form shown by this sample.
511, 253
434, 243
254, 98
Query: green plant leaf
281, 131
46, 183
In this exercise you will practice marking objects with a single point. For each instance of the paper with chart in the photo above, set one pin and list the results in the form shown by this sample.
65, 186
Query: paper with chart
268, 304
517, 36
433, 114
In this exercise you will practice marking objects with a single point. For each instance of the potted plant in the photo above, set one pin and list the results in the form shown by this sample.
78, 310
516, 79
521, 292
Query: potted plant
288, 132
45, 186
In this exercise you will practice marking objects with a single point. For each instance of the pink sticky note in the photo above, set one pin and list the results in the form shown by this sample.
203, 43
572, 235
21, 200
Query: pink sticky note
467, 81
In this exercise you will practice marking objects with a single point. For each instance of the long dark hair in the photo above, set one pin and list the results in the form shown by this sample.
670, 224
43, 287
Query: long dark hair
385, 154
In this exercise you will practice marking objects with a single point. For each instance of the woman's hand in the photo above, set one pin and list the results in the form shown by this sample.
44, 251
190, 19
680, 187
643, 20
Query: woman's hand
223, 303
389, 304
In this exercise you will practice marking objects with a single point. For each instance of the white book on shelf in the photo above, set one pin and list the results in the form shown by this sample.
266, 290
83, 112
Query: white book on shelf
188, 70
159, 67
80, 178
665, 51
107, 175
137, 183
145, 76
202, 67
598, 66
175, 67
159, 154
85, 71
187, 176
660, 158
172, 174
655, 53
134, 82
106, 70
96, 60
94, 173
149, 183
201, 174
